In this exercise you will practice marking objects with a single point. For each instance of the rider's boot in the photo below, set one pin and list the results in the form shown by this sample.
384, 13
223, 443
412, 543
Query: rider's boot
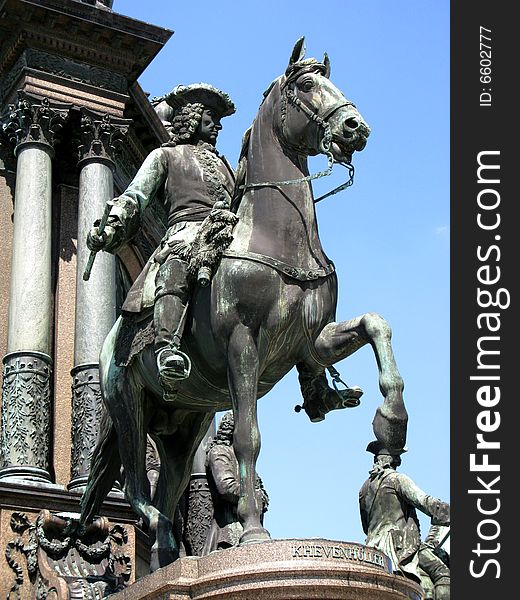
171, 298
168, 313
319, 398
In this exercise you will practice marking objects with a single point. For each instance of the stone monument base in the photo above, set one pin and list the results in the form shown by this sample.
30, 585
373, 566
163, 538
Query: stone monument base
295, 569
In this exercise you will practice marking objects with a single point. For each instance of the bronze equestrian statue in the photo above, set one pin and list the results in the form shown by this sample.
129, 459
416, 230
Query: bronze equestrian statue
270, 306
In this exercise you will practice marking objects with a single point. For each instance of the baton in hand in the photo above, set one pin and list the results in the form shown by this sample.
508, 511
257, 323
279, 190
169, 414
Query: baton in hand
101, 228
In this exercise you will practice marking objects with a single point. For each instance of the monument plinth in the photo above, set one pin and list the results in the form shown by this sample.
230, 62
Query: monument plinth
296, 569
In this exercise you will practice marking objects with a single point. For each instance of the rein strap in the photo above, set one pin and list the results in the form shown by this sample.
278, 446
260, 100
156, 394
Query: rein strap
324, 147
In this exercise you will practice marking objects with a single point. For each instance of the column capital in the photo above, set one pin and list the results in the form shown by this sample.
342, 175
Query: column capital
100, 136
33, 120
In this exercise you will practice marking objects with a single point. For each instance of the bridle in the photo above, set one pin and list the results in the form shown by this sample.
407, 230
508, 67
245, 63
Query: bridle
312, 113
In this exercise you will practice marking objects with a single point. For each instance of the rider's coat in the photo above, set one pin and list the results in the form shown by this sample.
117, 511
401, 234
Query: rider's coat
188, 179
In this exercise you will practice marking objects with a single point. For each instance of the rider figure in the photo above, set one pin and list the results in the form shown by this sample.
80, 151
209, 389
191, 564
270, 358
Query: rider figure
190, 178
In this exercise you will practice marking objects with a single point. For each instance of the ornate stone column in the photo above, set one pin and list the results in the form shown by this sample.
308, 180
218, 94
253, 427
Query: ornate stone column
31, 125
96, 298
199, 505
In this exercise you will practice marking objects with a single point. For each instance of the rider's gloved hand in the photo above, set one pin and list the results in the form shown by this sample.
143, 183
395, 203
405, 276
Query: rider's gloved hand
98, 241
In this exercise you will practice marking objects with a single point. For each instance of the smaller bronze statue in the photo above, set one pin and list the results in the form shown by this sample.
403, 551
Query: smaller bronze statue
387, 502
434, 564
224, 483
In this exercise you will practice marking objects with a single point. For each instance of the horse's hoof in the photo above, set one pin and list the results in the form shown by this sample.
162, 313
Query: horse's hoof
161, 557
254, 536
389, 430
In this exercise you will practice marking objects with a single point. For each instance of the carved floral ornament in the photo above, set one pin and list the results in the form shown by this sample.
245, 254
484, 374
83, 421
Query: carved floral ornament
51, 549
87, 409
101, 135
26, 410
33, 119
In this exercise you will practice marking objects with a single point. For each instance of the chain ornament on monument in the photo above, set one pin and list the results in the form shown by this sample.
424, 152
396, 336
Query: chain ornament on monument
34, 120
27, 402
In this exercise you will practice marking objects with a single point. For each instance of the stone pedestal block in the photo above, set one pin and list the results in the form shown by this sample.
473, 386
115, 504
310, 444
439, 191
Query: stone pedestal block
58, 566
296, 569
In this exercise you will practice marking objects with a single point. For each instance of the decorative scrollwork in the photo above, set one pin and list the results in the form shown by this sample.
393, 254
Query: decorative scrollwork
54, 548
20, 524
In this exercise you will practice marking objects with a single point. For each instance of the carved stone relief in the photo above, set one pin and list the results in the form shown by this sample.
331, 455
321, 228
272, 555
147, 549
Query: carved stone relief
26, 410
50, 560
34, 120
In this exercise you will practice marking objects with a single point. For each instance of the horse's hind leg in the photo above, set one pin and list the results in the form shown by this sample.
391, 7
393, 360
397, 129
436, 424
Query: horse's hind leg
177, 451
243, 387
125, 400
104, 470
339, 340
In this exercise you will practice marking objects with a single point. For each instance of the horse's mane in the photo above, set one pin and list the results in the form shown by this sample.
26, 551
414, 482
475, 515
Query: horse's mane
240, 177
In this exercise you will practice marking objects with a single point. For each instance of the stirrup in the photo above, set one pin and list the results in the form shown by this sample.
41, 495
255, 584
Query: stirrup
334, 398
349, 397
165, 374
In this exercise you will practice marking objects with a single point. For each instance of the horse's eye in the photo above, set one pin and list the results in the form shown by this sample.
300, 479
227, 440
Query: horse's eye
306, 85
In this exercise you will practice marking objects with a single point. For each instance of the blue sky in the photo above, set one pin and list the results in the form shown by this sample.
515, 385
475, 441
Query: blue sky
388, 235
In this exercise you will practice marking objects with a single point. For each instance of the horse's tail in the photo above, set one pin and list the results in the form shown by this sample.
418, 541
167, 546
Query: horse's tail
104, 470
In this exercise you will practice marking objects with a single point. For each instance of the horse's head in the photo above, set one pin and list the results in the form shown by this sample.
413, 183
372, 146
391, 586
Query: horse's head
314, 116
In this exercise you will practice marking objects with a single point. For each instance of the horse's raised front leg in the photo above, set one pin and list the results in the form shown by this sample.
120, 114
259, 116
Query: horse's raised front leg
339, 340
243, 384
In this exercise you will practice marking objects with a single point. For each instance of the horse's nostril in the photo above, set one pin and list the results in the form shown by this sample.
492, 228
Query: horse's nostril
351, 123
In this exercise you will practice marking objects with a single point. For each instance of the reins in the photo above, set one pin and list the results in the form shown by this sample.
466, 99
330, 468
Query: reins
325, 143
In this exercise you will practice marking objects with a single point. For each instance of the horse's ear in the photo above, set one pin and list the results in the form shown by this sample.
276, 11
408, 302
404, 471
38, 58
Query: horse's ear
298, 51
326, 62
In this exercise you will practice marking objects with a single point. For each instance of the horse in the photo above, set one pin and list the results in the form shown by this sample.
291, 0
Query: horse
270, 306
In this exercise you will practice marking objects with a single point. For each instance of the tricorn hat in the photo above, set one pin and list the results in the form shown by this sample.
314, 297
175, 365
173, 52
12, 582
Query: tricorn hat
377, 448
204, 93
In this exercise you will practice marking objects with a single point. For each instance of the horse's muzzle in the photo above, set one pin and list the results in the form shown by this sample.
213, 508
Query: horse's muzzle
349, 133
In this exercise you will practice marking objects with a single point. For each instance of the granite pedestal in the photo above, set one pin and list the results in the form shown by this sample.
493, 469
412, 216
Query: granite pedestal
296, 569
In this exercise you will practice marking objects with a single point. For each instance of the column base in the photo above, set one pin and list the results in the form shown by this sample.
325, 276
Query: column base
78, 485
25, 474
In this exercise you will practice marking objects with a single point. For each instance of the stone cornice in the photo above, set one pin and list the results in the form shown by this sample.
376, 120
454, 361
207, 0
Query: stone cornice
78, 31
35, 496
148, 115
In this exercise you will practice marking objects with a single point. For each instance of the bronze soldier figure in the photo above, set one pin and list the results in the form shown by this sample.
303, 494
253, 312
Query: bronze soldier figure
224, 483
387, 502
190, 177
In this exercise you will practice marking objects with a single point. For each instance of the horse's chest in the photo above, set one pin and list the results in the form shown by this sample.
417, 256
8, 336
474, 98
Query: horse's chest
301, 314
310, 306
